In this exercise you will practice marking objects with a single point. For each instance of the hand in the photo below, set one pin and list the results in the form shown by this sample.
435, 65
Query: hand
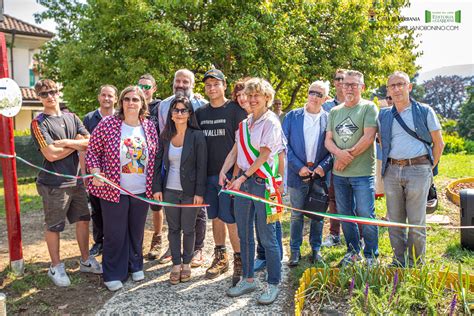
79, 136
62, 143
158, 196
319, 171
198, 199
223, 179
345, 156
235, 185
98, 182
304, 172
339, 165
281, 189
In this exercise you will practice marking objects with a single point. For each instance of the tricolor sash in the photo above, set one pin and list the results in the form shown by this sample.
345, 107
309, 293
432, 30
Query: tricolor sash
272, 178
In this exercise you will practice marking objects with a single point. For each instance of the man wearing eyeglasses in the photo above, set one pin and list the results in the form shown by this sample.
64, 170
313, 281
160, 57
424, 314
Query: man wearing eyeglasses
183, 85
107, 98
59, 136
409, 158
350, 138
277, 108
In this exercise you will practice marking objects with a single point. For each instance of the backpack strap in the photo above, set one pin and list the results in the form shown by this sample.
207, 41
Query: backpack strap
405, 127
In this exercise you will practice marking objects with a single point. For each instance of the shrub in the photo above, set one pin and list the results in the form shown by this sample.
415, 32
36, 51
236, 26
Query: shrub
469, 146
453, 144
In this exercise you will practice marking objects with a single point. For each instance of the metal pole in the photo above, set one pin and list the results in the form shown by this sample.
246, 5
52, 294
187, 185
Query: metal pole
12, 204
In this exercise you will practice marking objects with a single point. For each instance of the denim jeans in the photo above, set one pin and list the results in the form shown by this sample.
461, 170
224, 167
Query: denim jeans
297, 199
356, 196
250, 213
261, 250
406, 189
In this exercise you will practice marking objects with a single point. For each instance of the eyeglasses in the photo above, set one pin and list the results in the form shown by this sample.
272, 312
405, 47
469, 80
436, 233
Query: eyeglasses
145, 86
398, 85
350, 85
180, 111
315, 94
45, 94
134, 100
388, 98
338, 79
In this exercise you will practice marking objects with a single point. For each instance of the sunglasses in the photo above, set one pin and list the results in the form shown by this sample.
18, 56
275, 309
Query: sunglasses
144, 86
134, 100
45, 94
315, 94
180, 111
338, 79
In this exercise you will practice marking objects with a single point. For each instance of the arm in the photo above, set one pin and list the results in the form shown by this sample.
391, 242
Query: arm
438, 146
228, 163
364, 142
53, 153
157, 186
264, 154
80, 143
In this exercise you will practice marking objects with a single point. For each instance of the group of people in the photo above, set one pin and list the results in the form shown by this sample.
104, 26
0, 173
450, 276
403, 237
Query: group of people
184, 150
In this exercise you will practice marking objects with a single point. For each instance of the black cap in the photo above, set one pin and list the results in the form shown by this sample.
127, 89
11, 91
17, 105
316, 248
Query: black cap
214, 73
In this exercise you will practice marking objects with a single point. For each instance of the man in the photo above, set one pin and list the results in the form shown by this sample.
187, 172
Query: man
334, 239
147, 84
219, 121
107, 98
305, 130
350, 138
58, 136
277, 106
409, 157
183, 85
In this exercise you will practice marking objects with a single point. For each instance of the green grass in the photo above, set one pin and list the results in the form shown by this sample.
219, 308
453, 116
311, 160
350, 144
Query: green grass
29, 199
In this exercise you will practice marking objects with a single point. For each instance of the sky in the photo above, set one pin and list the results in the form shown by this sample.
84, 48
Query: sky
440, 48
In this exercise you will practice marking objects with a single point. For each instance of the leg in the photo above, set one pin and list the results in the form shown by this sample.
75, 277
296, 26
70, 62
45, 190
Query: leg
173, 217
52, 241
116, 241
137, 214
396, 211
82, 237
316, 234
78, 213
234, 237
334, 225
200, 229
219, 232
279, 235
97, 223
297, 198
363, 189
158, 222
188, 223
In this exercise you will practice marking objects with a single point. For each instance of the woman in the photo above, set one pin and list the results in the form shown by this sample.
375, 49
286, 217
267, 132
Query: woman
258, 143
183, 156
305, 130
239, 96
122, 148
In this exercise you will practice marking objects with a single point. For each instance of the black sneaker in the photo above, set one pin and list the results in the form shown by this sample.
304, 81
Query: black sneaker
96, 250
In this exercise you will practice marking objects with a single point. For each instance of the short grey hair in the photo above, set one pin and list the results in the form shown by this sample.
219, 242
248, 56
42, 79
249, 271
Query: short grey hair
355, 73
399, 74
259, 85
185, 72
321, 84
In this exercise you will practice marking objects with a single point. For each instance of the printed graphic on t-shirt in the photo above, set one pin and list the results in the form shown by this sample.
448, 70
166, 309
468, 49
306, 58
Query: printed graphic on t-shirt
346, 129
209, 131
135, 152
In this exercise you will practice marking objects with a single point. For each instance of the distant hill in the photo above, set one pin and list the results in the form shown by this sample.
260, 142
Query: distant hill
460, 70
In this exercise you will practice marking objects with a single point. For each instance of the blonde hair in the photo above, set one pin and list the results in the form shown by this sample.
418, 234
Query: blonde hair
259, 85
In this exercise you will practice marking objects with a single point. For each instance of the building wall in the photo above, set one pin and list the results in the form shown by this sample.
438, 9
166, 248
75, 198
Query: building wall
23, 120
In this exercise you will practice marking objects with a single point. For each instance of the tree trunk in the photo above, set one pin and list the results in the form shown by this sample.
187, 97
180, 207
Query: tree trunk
293, 97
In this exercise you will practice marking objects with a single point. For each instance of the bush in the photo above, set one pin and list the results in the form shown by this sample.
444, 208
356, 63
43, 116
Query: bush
453, 144
469, 146
25, 132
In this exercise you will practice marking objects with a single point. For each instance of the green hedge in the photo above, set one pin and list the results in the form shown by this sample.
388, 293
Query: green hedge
455, 144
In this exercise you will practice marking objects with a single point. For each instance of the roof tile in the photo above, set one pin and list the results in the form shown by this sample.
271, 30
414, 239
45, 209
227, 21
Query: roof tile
10, 24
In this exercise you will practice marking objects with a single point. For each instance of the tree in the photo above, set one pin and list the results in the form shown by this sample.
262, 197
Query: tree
290, 43
466, 119
446, 93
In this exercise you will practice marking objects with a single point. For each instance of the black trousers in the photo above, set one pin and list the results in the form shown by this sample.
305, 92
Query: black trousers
97, 222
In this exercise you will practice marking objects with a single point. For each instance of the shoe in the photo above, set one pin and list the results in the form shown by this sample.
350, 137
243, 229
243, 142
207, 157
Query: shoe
237, 269
138, 276
90, 266
259, 265
96, 249
371, 262
349, 258
198, 259
331, 241
316, 257
269, 295
185, 275
294, 259
58, 275
113, 285
175, 277
219, 265
242, 287
166, 257
155, 247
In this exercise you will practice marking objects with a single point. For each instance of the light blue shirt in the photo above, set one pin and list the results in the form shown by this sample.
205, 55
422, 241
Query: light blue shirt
404, 146
165, 107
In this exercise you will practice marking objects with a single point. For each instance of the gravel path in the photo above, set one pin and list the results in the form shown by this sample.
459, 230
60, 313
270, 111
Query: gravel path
155, 295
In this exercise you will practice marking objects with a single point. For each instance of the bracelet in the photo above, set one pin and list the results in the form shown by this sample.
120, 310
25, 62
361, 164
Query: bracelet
246, 176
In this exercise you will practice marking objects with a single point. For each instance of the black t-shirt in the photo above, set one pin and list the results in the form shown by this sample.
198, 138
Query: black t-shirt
45, 129
153, 108
219, 126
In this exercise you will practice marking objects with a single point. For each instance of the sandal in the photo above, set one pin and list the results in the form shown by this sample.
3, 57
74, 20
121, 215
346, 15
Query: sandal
185, 275
174, 277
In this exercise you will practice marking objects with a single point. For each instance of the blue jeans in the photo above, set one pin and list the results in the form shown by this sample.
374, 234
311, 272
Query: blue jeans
261, 250
356, 196
297, 199
249, 213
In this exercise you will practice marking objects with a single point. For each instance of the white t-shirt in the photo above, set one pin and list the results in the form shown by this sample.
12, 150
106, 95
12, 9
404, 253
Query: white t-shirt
133, 159
311, 127
173, 181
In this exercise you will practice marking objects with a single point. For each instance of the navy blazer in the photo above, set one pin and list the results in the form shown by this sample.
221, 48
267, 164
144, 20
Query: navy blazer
293, 127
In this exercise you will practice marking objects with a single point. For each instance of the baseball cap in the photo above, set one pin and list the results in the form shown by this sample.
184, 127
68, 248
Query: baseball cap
214, 73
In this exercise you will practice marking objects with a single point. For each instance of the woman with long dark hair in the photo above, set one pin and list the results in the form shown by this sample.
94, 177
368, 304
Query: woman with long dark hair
183, 157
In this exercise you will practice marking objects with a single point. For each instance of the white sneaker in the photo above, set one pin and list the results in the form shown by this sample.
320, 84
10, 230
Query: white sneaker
138, 276
90, 266
113, 285
331, 241
58, 275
